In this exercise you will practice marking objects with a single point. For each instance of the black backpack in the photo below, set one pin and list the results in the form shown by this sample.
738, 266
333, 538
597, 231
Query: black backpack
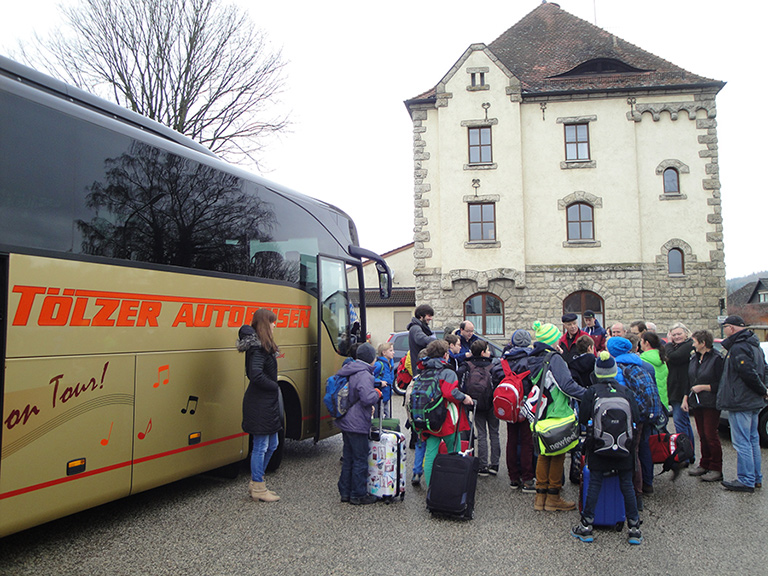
612, 429
426, 406
478, 386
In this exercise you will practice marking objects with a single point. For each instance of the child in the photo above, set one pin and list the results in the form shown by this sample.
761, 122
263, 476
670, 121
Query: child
605, 385
455, 357
384, 375
355, 426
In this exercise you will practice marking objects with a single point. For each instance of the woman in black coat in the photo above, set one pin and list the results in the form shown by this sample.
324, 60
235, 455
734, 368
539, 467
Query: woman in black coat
262, 405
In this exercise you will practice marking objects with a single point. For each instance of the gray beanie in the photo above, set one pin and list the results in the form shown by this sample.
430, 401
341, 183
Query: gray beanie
521, 338
366, 353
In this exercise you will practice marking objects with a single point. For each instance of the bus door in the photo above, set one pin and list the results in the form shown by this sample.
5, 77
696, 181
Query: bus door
3, 316
333, 334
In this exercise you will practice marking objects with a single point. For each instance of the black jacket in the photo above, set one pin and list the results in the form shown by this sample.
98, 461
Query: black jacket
678, 358
419, 335
742, 385
705, 369
582, 367
262, 402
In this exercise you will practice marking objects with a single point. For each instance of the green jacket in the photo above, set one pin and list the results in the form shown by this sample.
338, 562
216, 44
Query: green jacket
652, 357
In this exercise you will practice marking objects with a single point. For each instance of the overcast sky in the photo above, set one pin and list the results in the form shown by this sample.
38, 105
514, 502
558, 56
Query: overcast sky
352, 64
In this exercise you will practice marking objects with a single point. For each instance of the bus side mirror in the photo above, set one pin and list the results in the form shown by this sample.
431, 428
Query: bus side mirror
385, 281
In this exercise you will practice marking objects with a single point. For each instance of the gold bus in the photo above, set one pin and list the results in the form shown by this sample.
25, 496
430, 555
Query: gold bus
129, 257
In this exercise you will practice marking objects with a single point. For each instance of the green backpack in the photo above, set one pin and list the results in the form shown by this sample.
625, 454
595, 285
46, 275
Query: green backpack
426, 407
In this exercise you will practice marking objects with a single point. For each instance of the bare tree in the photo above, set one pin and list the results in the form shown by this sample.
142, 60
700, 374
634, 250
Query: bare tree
200, 67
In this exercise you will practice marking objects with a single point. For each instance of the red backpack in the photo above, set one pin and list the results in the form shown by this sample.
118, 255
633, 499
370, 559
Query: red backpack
509, 396
403, 375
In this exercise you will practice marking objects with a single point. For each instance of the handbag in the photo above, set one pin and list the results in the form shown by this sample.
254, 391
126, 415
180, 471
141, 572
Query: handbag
556, 435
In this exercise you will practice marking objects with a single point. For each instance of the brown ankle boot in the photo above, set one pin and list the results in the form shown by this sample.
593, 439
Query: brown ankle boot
259, 492
554, 503
252, 486
541, 496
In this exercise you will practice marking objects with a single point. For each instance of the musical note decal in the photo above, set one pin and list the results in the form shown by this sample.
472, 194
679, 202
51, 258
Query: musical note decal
167, 370
105, 441
191, 399
142, 435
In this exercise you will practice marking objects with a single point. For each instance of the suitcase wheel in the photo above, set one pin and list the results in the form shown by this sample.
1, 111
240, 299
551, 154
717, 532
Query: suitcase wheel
619, 526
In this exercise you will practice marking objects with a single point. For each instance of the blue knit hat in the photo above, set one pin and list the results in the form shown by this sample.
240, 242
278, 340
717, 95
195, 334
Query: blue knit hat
618, 346
605, 366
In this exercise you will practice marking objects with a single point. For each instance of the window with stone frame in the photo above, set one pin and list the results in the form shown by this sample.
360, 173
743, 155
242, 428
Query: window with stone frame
482, 222
579, 302
477, 78
675, 261
577, 142
480, 147
580, 218
671, 181
486, 312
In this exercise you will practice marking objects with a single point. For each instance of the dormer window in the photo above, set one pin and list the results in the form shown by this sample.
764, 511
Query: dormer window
478, 78
601, 66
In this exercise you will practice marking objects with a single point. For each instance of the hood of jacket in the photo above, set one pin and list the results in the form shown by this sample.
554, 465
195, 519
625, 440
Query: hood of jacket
514, 353
652, 356
629, 359
354, 367
436, 363
746, 336
540, 348
421, 324
247, 338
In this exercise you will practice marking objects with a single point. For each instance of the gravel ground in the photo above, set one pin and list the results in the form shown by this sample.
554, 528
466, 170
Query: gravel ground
208, 526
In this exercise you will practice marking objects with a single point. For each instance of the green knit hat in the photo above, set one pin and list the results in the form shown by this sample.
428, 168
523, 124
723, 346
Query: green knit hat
546, 333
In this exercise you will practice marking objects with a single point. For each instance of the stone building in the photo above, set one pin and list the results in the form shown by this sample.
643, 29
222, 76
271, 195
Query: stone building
561, 168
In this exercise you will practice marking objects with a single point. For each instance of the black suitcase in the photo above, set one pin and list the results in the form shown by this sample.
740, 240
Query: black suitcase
453, 483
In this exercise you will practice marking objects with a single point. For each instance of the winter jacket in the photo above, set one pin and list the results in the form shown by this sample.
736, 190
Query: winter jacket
452, 396
516, 359
384, 371
465, 344
742, 385
582, 367
648, 399
678, 358
566, 343
586, 413
558, 396
660, 371
419, 335
463, 377
362, 395
706, 369
262, 402
598, 334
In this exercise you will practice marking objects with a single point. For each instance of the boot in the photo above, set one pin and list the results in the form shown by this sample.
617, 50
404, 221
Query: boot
541, 496
259, 492
252, 486
554, 503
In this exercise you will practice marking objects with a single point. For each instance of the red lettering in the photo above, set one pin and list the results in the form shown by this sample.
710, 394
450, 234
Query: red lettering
282, 317
128, 310
185, 315
148, 313
78, 314
55, 381
16, 417
203, 316
294, 323
236, 316
304, 318
220, 312
55, 311
28, 294
107, 308
249, 312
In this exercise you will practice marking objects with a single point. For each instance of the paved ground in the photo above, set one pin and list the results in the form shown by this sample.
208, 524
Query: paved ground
208, 526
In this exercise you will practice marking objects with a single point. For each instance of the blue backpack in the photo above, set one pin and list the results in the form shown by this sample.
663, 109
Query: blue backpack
336, 397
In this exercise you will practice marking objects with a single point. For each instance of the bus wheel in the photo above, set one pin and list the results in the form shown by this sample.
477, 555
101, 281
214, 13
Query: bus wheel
277, 456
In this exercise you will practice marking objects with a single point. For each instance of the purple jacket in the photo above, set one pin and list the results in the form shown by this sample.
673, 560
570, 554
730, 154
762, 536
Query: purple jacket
362, 395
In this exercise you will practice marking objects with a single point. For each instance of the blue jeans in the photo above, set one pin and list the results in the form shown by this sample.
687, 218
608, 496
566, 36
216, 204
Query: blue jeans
746, 442
264, 445
627, 490
353, 480
683, 423
418, 456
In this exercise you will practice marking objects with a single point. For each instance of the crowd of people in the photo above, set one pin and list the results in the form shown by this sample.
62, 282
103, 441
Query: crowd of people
568, 372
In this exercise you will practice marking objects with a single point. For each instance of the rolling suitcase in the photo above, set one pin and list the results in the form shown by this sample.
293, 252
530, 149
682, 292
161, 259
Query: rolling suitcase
453, 483
386, 463
610, 509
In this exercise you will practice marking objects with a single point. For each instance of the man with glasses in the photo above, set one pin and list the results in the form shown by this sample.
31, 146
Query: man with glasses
743, 393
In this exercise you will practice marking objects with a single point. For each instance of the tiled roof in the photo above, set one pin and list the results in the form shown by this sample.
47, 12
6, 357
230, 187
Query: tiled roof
399, 297
550, 42
741, 296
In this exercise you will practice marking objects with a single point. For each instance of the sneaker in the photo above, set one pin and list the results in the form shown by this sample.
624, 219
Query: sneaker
736, 486
515, 483
529, 487
583, 532
698, 471
647, 489
493, 470
416, 480
634, 536
711, 476
345, 499
363, 500
483, 471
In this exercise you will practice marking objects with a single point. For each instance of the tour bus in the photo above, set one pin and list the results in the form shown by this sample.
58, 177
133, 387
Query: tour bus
129, 258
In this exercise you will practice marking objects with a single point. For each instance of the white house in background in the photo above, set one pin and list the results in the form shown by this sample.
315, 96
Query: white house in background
561, 168
393, 314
